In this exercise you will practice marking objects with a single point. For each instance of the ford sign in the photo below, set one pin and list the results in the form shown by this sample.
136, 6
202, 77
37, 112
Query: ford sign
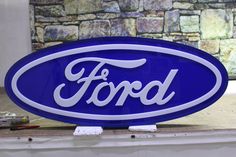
116, 81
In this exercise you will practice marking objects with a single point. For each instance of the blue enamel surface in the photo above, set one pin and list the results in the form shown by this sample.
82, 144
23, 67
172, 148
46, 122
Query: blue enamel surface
192, 80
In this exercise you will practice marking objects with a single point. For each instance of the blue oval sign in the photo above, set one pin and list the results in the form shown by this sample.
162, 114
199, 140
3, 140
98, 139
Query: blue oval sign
116, 81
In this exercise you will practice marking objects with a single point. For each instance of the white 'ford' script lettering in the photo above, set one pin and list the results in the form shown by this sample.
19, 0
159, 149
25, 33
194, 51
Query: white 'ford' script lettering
134, 89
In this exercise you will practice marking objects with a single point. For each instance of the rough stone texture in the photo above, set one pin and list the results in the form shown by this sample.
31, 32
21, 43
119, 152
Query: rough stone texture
216, 5
216, 23
152, 36
201, 6
123, 27
40, 34
60, 33
228, 55
198, 23
183, 5
207, 1
190, 12
150, 25
172, 21
43, 19
46, 2
157, 4
189, 23
129, 5
132, 14
153, 13
82, 6
67, 19
51, 10
111, 7
86, 17
210, 46
107, 15
96, 28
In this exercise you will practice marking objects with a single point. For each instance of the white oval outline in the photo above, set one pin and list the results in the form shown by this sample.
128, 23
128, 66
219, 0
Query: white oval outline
116, 47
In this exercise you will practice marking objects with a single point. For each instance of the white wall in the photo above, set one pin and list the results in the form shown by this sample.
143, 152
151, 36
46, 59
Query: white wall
14, 33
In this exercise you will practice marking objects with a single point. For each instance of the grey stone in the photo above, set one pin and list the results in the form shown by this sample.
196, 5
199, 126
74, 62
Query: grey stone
183, 5
82, 6
40, 34
60, 33
111, 7
107, 16
152, 36
141, 6
230, 5
86, 17
150, 25
201, 6
92, 29
43, 19
228, 55
190, 12
154, 13
207, 1
132, 14
49, 11
189, 23
216, 5
210, 46
172, 21
216, 23
68, 19
129, 5
123, 27
46, 2
157, 4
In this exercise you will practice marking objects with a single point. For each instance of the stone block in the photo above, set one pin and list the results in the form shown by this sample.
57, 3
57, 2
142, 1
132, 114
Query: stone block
157, 4
50, 11
40, 34
92, 29
150, 24
60, 33
228, 55
216, 23
210, 46
46, 2
189, 23
129, 5
123, 27
111, 7
86, 17
172, 21
183, 5
82, 6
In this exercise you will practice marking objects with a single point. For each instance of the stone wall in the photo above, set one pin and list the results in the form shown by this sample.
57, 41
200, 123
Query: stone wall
209, 25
